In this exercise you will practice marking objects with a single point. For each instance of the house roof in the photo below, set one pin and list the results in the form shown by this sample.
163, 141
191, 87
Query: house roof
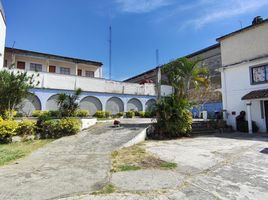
256, 94
2, 11
187, 56
241, 30
52, 56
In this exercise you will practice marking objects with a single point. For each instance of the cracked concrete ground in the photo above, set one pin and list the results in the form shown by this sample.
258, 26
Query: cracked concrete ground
67, 167
210, 167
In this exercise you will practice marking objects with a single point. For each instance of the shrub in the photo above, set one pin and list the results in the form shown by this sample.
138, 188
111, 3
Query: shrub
120, 114
19, 114
108, 114
82, 113
36, 113
100, 114
59, 128
7, 130
173, 120
148, 114
136, 112
130, 114
141, 114
26, 127
8, 115
53, 113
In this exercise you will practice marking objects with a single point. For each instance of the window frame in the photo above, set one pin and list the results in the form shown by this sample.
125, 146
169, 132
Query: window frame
65, 68
36, 64
88, 71
23, 63
265, 65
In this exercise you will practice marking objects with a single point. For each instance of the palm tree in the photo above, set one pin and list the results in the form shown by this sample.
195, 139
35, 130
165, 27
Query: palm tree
183, 74
68, 103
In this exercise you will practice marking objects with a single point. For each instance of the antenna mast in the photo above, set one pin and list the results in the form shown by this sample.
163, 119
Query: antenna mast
110, 52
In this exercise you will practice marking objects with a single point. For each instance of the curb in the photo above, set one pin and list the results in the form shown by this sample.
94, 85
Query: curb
137, 139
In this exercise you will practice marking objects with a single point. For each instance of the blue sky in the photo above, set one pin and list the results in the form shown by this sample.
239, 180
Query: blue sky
79, 28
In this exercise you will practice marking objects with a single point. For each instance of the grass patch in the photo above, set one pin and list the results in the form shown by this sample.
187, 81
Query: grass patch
14, 151
107, 189
168, 165
136, 158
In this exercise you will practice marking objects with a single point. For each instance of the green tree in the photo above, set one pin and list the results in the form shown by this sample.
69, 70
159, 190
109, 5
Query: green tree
68, 103
183, 74
14, 88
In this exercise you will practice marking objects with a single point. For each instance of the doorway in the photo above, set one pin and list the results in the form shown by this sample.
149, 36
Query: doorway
266, 113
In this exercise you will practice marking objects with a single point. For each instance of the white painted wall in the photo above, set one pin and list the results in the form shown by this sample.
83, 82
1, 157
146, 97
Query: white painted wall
236, 83
246, 45
2, 39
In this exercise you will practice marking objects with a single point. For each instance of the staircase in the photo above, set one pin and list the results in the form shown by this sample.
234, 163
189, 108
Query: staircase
202, 128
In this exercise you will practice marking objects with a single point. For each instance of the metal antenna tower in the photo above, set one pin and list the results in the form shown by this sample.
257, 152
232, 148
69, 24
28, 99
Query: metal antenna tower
110, 52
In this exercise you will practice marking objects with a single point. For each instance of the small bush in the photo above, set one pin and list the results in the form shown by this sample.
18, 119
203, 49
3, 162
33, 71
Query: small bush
82, 113
120, 114
100, 114
7, 130
141, 114
19, 114
108, 114
130, 114
8, 115
136, 113
53, 113
59, 128
37, 113
26, 127
148, 114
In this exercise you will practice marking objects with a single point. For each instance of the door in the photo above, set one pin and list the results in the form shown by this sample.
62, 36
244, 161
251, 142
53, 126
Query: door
52, 69
266, 113
79, 72
20, 65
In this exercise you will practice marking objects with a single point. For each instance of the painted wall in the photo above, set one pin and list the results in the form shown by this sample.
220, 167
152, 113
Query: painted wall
47, 99
246, 45
237, 84
2, 36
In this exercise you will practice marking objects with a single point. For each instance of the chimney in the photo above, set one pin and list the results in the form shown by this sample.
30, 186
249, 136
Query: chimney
257, 20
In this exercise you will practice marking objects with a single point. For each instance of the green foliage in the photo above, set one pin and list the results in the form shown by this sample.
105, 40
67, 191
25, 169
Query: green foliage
108, 114
173, 119
38, 113
26, 127
101, 114
141, 114
120, 114
58, 128
149, 114
168, 165
122, 168
82, 113
14, 88
7, 130
8, 114
130, 114
68, 103
183, 73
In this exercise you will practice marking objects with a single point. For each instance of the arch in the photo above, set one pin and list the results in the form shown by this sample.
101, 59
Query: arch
134, 104
114, 105
150, 104
29, 104
52, 102
90, 103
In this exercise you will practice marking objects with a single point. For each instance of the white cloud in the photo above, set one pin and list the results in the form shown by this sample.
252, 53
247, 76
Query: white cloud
227, 10
141, 6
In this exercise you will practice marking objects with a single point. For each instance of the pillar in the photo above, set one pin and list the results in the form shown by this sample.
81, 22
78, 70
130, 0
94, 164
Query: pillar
249, 117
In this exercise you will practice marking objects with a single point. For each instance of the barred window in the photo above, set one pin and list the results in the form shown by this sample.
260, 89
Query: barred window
35, 67
65, 70
89, 74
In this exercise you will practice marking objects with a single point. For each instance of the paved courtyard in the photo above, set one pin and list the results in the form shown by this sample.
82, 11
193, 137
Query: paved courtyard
208, 167
69, 166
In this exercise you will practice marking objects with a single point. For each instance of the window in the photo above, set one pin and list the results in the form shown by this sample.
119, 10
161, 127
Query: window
5, 63
89, 73
20, 65
79, 72
35, 67
65, 70
52, 69
259, 74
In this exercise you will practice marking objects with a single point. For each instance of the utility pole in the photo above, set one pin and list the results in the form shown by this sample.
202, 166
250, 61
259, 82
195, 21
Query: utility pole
110, 52
158, 76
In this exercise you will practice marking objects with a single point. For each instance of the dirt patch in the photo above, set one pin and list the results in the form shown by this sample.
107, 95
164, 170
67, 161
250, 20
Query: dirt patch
136, 158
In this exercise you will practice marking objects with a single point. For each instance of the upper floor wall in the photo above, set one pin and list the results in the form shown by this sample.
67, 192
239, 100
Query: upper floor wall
2, 35
34, 61
244, 45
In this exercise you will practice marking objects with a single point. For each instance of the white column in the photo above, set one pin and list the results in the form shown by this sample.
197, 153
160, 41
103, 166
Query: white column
76, 69
249, 117
13, 61
47, 65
